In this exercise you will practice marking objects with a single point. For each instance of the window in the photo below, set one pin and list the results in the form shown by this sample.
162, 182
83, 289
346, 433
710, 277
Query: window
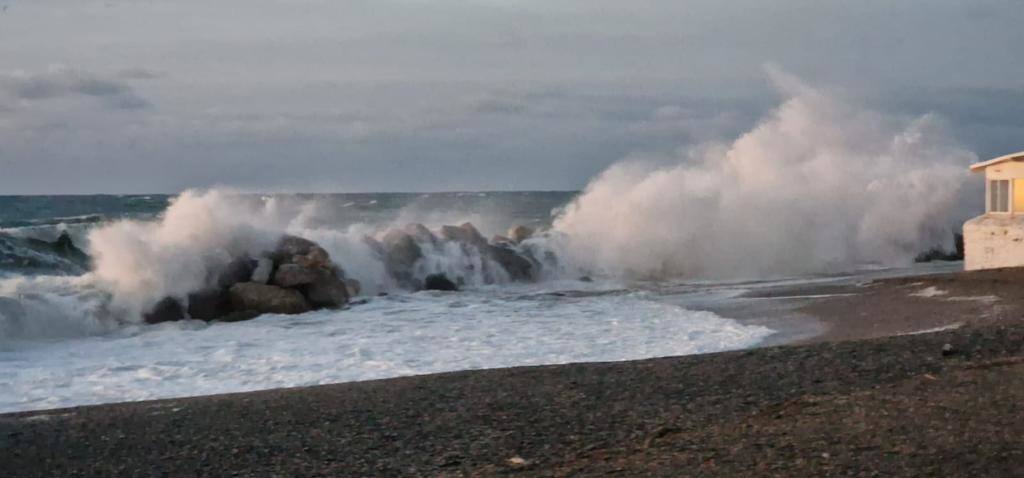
999, 195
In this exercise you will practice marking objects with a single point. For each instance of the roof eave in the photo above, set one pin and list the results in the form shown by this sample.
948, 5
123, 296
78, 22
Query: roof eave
1006, 157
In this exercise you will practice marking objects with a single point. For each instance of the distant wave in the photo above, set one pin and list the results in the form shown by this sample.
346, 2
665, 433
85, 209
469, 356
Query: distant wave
27, 255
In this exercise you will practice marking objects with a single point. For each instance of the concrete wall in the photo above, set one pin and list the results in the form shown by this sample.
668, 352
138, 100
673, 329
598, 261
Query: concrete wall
993, 241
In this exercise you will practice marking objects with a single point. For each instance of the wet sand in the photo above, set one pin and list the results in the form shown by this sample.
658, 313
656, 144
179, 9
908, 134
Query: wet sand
899, 405
903, 305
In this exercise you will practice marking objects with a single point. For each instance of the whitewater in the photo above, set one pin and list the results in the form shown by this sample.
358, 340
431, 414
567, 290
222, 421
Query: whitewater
629, 263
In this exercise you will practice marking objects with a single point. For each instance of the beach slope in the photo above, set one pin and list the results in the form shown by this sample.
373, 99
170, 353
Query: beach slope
895, 406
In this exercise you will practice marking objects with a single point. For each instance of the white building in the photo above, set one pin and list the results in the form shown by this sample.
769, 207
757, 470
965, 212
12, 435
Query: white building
996, 238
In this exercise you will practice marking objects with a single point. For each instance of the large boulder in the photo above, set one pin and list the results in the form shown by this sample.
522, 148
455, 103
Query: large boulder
264, 267
401, 252
297, 276
520, 233
290, 246
267, 299
518, 267
328, 291
166, 310
210, 304
317, 257
439, 282
465, 234
353, 286
294, 275
238, 270
420, 233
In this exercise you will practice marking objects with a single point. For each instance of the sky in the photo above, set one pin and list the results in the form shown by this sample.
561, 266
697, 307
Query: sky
152, 96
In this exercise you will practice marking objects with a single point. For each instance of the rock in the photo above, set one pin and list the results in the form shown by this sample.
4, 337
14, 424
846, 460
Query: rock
948, 349
238, 316
317, 257
294, 275
520, 233
401, 252
518, 461
238, 270
264, 267
374, 245
262, 298
585, 279
439, 282
328, 291
167, 310
939, 253
499, 240
420, 233
465, 234
290, 246
353, 286
208, 304
518, 267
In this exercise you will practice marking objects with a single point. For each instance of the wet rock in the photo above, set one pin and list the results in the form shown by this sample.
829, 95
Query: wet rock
518, 267
420, 233
167, 310
264, 268
499, 240
262, 298
293, 275
238, 270
948, 349
290, 246
209, 304
439, 282
238, 316
520, 233
939, 253
328, 291
401, 252
353, 286
376, 246
465, 234
317, 257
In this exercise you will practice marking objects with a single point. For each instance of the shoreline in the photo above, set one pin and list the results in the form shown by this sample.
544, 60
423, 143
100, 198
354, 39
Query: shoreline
857, 307
895, 405
868, 393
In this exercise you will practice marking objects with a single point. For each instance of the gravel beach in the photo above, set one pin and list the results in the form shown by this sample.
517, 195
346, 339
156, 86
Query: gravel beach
945, 402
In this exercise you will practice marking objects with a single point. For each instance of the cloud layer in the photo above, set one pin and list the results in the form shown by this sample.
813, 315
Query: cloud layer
478, 94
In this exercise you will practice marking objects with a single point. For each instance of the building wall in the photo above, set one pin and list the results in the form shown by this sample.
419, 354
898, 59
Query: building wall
994, 240
1007, 170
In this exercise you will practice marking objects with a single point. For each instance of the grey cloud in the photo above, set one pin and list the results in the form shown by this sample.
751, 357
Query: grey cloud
462, 94
140, 74
62, 82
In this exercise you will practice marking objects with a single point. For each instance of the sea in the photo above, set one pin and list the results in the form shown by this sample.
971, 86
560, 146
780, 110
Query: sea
66, 340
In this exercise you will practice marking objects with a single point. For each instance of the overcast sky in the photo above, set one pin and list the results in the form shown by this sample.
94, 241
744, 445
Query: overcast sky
121, 96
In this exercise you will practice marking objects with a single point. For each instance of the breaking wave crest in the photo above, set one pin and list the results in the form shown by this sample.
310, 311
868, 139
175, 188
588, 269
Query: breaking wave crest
819, 185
